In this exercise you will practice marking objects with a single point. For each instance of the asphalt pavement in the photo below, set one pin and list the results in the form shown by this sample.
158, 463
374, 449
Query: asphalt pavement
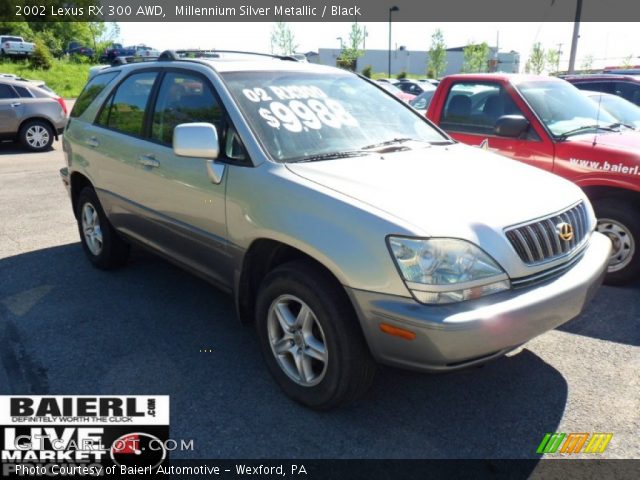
67, 328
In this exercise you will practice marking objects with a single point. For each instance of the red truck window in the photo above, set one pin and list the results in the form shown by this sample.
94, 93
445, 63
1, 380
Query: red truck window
474, 107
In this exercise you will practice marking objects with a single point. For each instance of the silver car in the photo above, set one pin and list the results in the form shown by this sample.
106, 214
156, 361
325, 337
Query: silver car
31, 113
348, 228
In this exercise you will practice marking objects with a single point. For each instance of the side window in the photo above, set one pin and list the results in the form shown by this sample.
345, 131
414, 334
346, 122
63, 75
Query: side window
89, 93
127, 106
183, 98
476, 107
628, 91
23, 92
605, 87
7, 92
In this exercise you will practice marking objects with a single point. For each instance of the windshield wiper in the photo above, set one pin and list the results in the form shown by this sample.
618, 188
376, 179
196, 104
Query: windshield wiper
620, 124
329, 156
393, 141
585, 128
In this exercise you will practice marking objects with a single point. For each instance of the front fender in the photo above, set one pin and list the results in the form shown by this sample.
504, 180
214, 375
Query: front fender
348, 238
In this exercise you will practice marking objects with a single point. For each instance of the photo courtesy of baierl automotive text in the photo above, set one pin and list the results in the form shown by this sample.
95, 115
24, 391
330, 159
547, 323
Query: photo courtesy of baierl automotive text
383, 239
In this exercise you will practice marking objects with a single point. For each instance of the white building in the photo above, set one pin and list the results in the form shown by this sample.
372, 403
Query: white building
415, 62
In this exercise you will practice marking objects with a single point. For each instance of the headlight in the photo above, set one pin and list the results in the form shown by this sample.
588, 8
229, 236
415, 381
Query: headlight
446, 270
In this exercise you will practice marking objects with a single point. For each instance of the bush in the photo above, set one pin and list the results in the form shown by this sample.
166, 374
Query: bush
366, 71
346, 63
79, 59
41, 58
401, 75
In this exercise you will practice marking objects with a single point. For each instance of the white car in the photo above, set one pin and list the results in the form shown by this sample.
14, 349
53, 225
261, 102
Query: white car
15, 47
145, 51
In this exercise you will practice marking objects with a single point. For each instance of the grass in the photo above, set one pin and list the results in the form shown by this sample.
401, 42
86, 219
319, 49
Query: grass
64, 78
413, 76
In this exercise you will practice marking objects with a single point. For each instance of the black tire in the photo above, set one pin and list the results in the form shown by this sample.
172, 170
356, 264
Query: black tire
114, 250
620, 221
36, 135
350, 368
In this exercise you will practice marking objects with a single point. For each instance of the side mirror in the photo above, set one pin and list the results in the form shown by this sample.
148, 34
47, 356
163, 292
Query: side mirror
511, 126
198, 140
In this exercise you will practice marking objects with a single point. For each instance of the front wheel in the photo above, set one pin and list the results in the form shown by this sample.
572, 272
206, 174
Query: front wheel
310, 337
620, 221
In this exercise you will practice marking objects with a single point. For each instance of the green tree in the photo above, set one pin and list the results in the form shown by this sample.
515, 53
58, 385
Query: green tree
20, 29
537, 60
587, 62
475, 58
437, 63
283, 41
352, 51
627, 62
553, 60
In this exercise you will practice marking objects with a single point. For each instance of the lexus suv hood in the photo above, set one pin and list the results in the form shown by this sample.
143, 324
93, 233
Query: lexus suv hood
453, 190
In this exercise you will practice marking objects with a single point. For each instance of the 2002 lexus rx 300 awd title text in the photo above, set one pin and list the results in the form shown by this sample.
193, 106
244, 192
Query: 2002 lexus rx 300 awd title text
347, 227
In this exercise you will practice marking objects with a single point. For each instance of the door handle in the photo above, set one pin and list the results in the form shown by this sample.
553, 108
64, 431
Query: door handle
16, 104
148, 161
92, 142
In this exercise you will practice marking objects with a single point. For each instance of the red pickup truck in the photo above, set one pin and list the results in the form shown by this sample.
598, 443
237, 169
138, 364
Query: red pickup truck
548, 123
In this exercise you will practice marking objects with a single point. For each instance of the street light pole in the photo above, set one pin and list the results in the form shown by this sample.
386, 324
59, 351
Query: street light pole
391, 10
574, 40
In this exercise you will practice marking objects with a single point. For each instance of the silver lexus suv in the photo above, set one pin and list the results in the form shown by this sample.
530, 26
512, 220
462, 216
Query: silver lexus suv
348, 228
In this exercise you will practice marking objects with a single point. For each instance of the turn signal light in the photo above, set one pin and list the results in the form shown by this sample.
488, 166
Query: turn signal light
397, 332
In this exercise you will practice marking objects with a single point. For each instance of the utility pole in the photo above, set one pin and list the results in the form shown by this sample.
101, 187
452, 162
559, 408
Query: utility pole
574, 40
391, 10
559, 55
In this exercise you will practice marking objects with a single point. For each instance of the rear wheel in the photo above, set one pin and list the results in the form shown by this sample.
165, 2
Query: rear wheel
310, 337
620, 221
101, 243
36, 135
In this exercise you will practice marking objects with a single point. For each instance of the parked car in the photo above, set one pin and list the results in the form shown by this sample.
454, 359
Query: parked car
116, 50
12, 46
622, 71
348, 229
622, 110
413, 88
76, 48
30, 113
421, 102
391, 88
432, 81
144, 51
548, 123
625, 86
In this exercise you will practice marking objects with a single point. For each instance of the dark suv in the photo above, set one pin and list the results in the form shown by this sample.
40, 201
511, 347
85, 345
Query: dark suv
625, 86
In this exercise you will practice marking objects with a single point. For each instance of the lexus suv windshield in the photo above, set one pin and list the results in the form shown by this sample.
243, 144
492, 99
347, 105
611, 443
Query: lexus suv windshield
307, 116
564, 109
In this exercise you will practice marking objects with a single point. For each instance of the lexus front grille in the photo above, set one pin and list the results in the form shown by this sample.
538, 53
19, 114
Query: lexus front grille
551, 237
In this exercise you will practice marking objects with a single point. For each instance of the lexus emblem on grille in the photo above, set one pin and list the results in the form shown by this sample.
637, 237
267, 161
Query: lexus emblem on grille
565, 231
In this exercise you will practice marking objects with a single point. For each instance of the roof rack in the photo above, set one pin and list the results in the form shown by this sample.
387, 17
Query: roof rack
132, 59
172, 55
